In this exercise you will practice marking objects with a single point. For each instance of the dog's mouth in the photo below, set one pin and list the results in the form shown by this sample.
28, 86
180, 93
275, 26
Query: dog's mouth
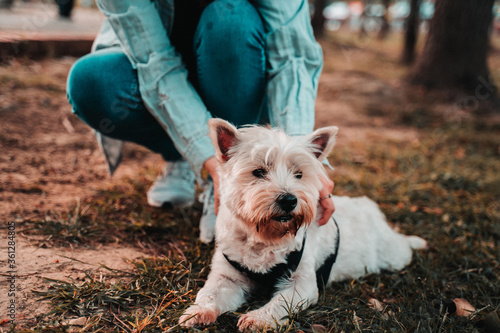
280, 225
283, 218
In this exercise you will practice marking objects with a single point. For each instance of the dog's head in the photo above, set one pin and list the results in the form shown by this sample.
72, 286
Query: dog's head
269, 180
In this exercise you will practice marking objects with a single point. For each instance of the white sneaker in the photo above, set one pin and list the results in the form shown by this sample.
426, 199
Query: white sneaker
174, 187
207, 221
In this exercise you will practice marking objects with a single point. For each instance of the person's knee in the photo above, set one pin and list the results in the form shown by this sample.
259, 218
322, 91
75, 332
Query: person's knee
90, 88
97, 81
80, 84
231, 23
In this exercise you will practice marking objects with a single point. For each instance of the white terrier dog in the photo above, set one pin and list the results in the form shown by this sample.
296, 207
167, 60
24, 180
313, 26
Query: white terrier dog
267, 232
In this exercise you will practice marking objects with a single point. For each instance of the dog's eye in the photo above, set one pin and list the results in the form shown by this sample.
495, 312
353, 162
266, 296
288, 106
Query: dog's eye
298, 174
259, 173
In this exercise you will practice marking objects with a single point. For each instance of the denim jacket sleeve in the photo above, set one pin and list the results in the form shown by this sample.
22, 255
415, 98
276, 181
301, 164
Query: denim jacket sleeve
295, 61
163, 83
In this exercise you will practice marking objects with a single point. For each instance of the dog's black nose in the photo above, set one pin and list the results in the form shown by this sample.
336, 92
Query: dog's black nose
287, 202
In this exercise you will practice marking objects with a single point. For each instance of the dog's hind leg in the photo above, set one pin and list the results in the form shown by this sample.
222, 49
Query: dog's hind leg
417, 243
397, 250
393, 250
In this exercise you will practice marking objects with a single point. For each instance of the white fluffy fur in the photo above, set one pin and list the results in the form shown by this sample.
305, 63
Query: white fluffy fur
367, 243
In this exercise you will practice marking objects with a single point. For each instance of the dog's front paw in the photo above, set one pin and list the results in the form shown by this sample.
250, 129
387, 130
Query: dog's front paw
254, 321
199, 316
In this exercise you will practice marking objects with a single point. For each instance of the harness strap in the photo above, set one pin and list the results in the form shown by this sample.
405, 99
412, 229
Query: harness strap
269, 279
323, 273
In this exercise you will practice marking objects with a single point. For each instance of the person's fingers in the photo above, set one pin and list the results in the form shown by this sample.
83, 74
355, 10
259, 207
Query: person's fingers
216, 195
325, 201
211, 166
328, 209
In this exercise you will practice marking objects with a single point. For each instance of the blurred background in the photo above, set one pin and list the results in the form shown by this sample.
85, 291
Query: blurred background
39, 28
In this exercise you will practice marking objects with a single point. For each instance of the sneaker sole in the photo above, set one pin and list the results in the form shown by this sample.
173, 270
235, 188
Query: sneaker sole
170, 204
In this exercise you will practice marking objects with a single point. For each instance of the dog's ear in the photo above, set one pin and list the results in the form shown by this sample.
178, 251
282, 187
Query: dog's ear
322, 141
224, 136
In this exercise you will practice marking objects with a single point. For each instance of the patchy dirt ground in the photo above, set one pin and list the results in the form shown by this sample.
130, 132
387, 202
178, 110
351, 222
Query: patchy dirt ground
49, 160
36, 263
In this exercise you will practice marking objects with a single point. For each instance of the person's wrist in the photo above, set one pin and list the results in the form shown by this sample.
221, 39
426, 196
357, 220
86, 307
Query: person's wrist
210, 167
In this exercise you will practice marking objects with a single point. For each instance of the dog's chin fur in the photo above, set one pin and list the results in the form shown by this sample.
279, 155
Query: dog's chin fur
269, 222
272, 230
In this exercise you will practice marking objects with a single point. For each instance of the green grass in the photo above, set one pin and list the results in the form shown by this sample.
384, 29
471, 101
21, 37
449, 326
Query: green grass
136, 300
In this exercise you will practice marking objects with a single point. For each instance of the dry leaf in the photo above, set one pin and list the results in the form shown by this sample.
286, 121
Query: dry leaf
464, 308
316, 328
375, 304
77, 321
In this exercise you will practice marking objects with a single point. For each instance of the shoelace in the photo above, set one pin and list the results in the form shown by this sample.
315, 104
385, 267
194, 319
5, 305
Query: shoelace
206, 197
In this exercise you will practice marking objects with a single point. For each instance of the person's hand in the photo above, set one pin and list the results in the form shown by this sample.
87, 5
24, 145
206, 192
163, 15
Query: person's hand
325, 201
211, 166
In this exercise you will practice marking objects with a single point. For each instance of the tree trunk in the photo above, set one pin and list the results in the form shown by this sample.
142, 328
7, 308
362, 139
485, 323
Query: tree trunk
384, 29
318, 20
455, 52
362, 29
411, 33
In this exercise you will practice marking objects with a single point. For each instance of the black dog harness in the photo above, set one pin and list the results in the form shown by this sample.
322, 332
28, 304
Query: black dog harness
269, 279
323, 273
